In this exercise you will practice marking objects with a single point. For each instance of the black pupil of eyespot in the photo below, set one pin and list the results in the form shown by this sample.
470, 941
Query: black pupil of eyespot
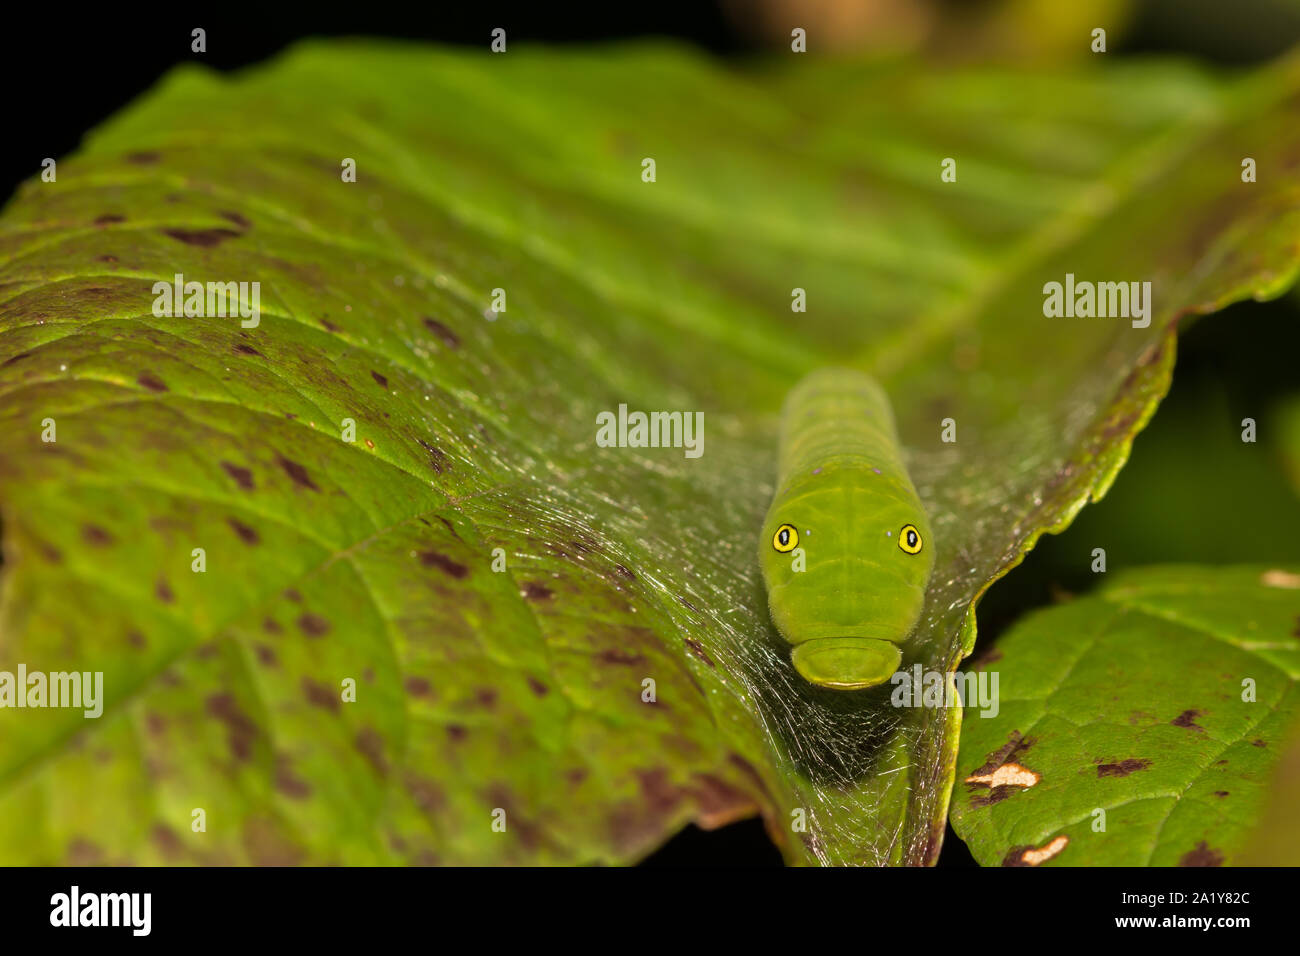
785, 535
911, 538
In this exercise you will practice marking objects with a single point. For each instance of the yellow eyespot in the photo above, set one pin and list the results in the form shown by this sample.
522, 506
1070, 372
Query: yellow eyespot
786, 538
909, 539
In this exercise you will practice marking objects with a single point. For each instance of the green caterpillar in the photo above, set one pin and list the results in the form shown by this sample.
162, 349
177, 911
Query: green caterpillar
845, 549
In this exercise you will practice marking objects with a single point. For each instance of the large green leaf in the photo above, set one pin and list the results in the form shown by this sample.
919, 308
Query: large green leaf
523, 690
1163, 700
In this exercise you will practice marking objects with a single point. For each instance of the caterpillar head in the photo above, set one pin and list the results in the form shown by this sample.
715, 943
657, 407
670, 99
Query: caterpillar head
846, 553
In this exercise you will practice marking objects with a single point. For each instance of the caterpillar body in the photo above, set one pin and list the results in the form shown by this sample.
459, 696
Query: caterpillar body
845, 550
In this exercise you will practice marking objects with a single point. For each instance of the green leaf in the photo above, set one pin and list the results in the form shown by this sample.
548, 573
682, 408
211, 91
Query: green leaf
372, 561
1163, 699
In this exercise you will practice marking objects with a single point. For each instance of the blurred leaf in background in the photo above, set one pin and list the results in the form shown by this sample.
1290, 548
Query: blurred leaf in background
1032, 32
1004, 31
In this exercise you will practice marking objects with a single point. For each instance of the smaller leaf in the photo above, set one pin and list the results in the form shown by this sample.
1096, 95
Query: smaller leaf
1137, 726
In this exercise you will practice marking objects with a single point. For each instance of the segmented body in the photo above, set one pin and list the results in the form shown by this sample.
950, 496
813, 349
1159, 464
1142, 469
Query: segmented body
845, 547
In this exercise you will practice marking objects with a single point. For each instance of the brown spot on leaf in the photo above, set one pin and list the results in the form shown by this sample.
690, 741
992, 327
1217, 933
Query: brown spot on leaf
271, 625
168, 843
142, 158
532, 591
417, 686
202, 237
106, 258
1258, 743
371, 746
1033, 856
243, 349
287, 782
238, 219
697, 649
151, 381
432, 559
612, 655
446, 335
382, 380
1188, 719
537, 687
313, 625
83, 852
659, 793
986, 798
297, 473
1000, 782
96, 536
320, 695
1202, 856
268, 845
17, 358
456, 732
437, 457
1220, 793
525, 830
163, 590
240, 729
292, 595
1015, 745
246, 534
486, 696
243, 477
1006, 775
266, 655
1123, 768
624, 572
427, 794
108, 218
